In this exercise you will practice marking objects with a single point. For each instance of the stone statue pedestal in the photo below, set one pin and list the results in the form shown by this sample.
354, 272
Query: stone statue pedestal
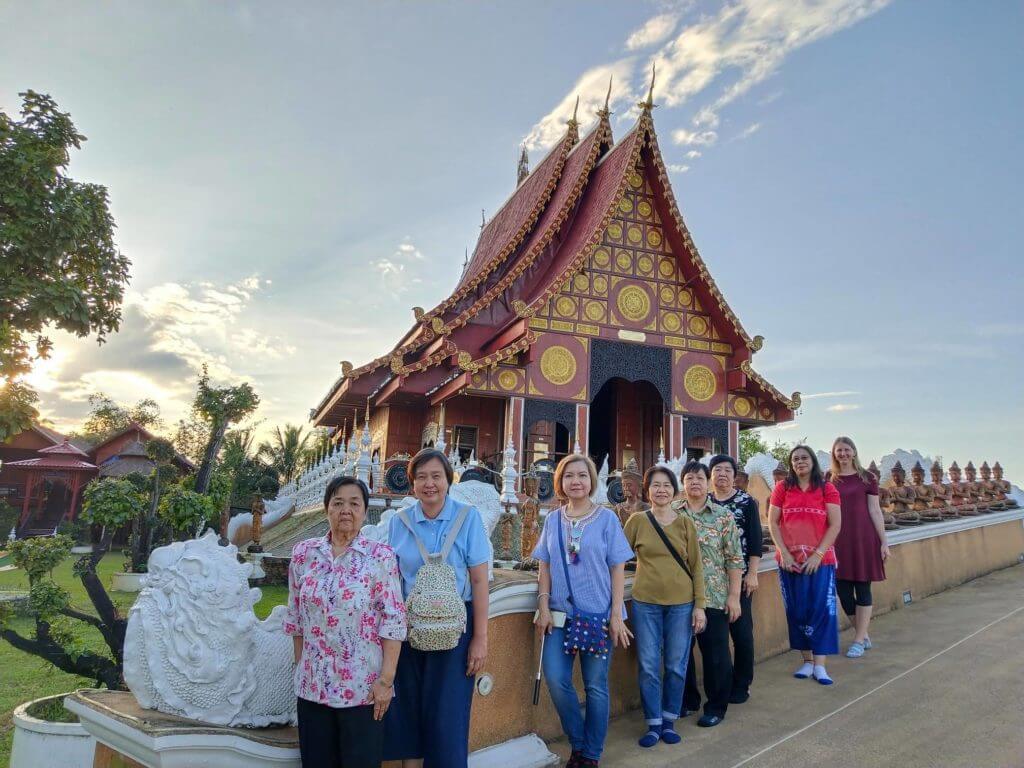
128, 736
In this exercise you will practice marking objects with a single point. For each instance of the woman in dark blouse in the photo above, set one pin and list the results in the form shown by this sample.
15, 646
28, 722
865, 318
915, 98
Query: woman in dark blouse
861, 547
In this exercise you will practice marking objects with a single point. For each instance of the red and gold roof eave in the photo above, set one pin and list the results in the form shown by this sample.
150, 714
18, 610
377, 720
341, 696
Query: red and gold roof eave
428, 324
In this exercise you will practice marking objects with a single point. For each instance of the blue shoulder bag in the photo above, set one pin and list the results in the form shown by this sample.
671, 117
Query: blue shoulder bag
584, 632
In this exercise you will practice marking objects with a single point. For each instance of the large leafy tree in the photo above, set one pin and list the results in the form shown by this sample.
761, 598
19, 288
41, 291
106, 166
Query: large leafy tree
107, 418
219, 408
59, 266
286, 450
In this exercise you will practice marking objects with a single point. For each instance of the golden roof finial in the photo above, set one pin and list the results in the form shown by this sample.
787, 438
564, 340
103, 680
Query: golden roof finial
573, 122
367, 410
605, 111
649, 103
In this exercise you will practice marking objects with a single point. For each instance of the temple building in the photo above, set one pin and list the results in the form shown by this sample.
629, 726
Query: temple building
43, 473
584, 315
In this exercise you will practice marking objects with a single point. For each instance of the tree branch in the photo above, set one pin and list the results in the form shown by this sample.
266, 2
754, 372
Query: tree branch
87, 664
88, 618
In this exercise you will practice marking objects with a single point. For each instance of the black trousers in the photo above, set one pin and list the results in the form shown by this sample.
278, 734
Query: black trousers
853, 593
346, 737
717, 667
742, 633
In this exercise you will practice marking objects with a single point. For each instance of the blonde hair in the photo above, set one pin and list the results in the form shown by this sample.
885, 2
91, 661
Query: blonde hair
572, 458
857, 466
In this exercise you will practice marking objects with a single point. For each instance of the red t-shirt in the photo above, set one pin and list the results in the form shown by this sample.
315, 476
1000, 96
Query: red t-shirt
804, 519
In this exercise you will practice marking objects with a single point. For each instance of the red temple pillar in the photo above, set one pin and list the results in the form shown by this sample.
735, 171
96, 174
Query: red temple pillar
28, 498
75, 485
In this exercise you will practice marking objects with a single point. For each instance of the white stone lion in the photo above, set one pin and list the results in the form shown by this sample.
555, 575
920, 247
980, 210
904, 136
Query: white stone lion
194, 646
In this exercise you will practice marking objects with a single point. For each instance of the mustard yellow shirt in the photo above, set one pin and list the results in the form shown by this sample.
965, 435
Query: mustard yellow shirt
659, 578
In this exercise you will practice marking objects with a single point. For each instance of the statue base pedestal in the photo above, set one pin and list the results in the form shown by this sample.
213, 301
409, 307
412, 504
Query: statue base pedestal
128, 736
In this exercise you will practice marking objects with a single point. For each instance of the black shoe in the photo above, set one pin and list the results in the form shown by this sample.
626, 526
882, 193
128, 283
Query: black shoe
574, 760
709, 721
739, 697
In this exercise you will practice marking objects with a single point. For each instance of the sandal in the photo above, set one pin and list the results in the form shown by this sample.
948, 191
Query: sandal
855, 651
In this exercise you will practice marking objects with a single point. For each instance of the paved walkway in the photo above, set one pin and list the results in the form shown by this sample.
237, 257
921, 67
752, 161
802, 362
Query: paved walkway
943, 687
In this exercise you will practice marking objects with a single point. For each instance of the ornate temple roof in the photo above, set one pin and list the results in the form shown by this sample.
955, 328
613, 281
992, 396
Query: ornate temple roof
540, 238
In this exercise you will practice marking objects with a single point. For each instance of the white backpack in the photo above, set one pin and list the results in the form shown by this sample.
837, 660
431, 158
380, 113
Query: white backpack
436, 611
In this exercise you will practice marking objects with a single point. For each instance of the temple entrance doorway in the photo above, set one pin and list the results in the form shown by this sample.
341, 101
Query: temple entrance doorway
547, 443
626, 422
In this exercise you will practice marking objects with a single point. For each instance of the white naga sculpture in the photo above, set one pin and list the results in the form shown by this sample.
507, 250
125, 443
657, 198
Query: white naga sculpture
194, 646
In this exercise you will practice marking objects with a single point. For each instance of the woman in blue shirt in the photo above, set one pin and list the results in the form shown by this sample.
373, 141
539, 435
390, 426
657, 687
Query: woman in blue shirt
428, 722
582, 571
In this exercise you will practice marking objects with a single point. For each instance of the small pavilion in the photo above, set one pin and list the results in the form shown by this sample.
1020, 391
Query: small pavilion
52, 487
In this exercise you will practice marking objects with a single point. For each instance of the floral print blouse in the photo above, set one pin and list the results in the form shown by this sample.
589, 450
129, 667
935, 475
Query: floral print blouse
343, 607
720, 549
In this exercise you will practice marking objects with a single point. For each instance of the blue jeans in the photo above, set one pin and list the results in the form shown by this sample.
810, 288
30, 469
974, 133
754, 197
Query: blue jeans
663, 634
585, 734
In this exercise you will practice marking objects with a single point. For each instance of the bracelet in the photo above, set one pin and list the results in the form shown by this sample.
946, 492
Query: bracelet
819, 553
543, 594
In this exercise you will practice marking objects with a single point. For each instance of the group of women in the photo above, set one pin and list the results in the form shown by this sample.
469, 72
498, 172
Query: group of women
378, 679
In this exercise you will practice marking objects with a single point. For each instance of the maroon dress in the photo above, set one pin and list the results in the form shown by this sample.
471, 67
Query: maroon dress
858, 547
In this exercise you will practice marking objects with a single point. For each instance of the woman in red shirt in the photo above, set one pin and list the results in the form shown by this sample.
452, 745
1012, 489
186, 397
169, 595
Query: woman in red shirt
804, 520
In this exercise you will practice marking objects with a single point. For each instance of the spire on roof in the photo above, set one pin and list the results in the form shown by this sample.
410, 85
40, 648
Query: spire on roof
605, 112
524, 167
649, 104
483, 220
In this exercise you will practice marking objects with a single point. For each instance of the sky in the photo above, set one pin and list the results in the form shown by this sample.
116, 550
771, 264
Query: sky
289, 181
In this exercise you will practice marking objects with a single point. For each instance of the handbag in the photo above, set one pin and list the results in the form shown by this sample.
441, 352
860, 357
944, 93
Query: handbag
584, 632
668, 544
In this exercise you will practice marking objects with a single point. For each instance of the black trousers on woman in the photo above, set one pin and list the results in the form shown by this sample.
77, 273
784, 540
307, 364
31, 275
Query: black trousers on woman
742, 632
343, 737
717, 667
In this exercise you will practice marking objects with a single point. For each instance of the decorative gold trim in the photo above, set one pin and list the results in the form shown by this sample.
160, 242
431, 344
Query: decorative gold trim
562, 325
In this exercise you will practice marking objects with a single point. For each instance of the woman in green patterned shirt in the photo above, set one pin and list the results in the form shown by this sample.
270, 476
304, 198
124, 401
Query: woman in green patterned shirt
722, 560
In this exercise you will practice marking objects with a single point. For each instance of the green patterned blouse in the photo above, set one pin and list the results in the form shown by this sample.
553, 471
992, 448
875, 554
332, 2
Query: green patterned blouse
720, 548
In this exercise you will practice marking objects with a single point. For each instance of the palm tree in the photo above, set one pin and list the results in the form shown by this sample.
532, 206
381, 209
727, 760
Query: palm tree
286, 450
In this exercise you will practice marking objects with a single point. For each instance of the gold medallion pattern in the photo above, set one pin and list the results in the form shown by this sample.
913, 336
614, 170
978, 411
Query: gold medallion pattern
624, 260
558, 365
581, 283
644, 265
667, 268
507, 380
698, 325
653, 238
671, 322
685, 297
636, 180
636, 235
601, 258
634, 303
668, 295
625, 205
600, 285
644, 208
594, 310
699, 383
741, 406
565, 306
615, 231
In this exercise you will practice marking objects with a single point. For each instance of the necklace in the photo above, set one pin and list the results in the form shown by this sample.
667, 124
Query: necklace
576, 526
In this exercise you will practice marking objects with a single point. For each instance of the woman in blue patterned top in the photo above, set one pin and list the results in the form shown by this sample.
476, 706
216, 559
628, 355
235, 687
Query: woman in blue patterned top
582, 553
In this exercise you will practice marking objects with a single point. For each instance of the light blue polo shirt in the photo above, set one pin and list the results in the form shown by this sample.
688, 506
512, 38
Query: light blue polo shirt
472, 546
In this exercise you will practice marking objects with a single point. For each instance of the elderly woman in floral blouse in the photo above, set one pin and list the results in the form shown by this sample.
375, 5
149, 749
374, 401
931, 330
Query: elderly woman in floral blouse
347, 619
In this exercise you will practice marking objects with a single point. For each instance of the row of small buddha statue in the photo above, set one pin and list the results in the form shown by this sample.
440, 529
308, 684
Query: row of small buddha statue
918, 502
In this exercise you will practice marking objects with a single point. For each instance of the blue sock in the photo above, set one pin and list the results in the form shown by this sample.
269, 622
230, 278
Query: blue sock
668, 733
650, 738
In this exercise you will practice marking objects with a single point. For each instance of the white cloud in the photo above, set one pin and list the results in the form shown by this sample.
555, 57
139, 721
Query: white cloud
654, 31
687, 138
749, 131
678, 167
816, 395
591, 87
693, 154
842, 407
787, 426
996, 330
400, 271
740, 46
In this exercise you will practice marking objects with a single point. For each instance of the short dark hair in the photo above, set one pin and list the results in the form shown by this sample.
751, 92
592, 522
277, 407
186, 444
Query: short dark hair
694, 466
657, 469
340, 482
426, 455
724, 458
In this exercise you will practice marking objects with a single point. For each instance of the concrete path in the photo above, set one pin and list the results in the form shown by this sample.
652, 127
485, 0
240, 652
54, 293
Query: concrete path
943, 687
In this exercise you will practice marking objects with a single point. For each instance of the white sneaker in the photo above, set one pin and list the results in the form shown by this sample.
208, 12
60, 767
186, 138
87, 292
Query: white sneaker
805, 671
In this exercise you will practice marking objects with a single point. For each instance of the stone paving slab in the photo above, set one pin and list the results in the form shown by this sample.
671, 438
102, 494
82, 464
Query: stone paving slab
943, 687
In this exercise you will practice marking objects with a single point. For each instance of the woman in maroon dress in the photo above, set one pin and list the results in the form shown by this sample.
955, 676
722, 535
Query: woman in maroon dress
861, 547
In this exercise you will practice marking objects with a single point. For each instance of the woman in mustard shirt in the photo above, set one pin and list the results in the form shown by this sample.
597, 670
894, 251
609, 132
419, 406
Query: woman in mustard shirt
668, 602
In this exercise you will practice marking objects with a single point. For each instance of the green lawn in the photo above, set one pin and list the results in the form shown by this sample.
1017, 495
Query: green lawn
24, 677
